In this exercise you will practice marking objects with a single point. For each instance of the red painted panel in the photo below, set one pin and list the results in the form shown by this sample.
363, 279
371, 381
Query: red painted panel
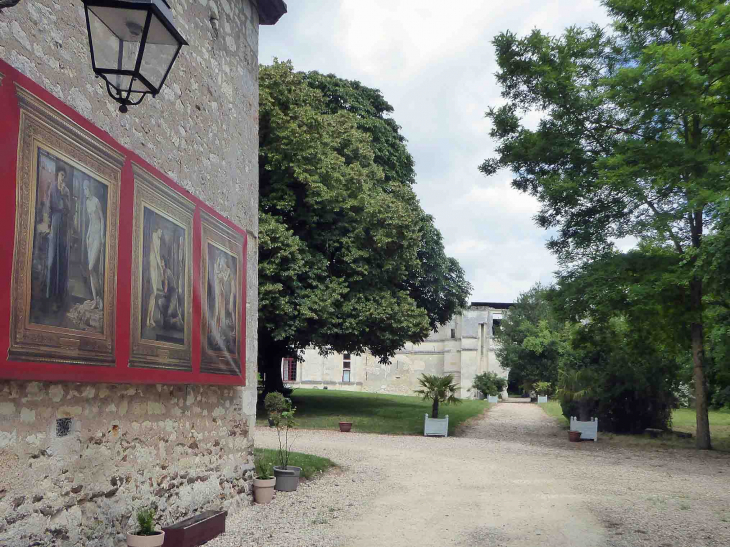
121, 372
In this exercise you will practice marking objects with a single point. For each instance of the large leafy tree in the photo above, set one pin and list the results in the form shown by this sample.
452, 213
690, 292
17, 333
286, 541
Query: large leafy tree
633, 139
343, 252
531, 339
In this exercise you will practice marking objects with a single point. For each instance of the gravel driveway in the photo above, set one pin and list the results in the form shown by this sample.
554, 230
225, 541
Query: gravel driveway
510, 478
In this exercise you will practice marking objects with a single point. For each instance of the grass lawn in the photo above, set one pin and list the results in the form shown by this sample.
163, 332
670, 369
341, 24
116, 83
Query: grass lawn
683, 419
311, 465
553, 409
373, 412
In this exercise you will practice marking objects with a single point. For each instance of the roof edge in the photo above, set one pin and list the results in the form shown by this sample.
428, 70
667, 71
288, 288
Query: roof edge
270, 11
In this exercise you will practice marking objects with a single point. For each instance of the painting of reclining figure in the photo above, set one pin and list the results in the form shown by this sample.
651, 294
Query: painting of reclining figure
161, 275
64, 262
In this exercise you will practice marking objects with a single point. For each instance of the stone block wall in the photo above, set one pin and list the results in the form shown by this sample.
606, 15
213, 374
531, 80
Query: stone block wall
184, 448
78, 460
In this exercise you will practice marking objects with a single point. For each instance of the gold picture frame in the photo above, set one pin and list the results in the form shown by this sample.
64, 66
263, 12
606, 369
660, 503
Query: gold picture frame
221, 277
162, 275
64, 278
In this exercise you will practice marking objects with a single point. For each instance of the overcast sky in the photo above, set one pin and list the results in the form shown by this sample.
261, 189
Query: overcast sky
436, 66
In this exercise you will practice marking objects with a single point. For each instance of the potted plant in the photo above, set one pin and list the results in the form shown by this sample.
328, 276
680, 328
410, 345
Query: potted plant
439, 389
146, 536
576, 393
490, 385
345, 427
543, 390
263, 482
281, 413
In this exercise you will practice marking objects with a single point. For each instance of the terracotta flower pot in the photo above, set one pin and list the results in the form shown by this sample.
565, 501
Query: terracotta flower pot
345, 426
574, 436
134, 540
263, 490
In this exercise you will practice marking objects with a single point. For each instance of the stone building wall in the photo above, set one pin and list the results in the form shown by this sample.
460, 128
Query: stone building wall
78, 460
463, 347
133, 444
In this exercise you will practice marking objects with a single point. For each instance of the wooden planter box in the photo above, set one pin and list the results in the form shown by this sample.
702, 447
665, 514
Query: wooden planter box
492, 398
542, 399
436, 427
195, 530
588, 430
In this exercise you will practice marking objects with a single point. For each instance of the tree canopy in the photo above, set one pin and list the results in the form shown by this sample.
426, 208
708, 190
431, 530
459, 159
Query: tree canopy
348, 260
633, 139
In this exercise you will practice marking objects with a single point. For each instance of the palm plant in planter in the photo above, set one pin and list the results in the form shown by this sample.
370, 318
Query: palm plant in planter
440, 390
281, 413
577, 394
146, 536
543, 389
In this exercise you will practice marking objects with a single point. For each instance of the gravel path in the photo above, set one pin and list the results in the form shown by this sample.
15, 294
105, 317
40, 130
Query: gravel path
510, 478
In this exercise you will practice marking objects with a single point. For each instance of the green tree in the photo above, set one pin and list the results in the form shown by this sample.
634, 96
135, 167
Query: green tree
633, 140
342, 265
489, 383
531, 339
439, 389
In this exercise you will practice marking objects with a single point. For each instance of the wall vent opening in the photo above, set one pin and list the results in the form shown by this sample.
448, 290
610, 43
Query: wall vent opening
64, 427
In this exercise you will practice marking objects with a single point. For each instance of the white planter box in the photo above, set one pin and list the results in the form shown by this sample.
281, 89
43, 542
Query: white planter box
588, 430
492, 398
542, 399
436, 427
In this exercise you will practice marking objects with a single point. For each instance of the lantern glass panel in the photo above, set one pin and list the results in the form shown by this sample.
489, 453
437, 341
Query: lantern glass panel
116, 35
159, 52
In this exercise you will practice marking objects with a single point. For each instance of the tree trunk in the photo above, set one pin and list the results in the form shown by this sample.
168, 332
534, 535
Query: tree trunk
269, 360
435, 409
698, 358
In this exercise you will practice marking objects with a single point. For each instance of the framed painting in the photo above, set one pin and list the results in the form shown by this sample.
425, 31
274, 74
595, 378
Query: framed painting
162, 278
222, 278
66, 227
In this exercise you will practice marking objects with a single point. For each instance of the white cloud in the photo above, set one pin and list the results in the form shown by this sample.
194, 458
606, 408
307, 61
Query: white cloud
435, 63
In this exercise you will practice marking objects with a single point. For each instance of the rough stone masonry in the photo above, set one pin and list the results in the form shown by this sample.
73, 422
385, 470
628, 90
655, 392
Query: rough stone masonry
77, 460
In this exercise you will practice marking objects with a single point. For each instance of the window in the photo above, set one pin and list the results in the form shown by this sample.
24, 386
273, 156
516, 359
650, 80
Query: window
496, 326
289, 369
453, 333
346, 367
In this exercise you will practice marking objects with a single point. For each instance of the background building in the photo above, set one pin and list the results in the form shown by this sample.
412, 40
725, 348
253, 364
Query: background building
463, 347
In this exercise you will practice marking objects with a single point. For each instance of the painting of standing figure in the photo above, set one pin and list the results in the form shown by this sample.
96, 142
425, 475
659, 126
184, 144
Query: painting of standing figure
161, 275
222, 297
164, 285
221, 274
66, 231
67, 276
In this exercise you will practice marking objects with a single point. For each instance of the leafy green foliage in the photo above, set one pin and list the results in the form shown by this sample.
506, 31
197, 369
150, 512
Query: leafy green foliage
439, 389
531, 339
543, 388
348, 261
263, 467
489, 383
633, 140
146, 522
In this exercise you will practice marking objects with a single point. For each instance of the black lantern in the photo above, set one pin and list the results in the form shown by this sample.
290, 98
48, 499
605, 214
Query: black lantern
133, 46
